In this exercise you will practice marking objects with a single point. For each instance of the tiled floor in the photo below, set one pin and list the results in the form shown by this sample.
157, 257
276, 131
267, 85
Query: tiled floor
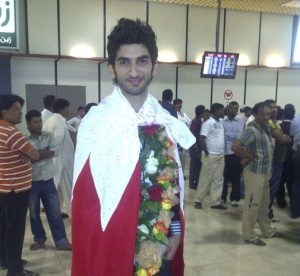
213, 246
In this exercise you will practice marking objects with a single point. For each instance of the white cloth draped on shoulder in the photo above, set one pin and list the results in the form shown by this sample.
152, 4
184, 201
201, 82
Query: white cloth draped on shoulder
108, 134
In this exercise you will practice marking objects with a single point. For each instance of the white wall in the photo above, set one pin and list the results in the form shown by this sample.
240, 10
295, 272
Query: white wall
82, 22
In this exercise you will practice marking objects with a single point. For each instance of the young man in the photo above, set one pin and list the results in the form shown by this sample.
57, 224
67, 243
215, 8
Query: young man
15, 184
48, 107
195, 150
279, 153
212, 145
167, 97
107, 175
185, 119
74, 123
64, 162
233, 128
43, 187
255, 148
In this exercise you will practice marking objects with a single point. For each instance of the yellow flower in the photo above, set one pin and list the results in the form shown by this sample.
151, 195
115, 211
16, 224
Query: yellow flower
166, 204
142, 272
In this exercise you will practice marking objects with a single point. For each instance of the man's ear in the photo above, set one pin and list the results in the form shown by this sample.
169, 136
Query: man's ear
155, 67
111, 71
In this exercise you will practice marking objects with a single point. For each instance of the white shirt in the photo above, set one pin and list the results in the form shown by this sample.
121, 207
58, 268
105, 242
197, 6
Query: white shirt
214, 132
250, 119
74, 123
184, 118
46, 114
56, 124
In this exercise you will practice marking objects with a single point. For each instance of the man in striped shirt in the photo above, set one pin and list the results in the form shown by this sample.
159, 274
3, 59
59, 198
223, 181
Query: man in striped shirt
16, 154
255, 148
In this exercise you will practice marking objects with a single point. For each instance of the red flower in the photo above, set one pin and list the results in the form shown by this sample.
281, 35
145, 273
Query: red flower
150, 130
154, 192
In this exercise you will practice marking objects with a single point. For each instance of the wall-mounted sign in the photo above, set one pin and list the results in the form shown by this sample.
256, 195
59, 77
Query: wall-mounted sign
8, 24
228, 95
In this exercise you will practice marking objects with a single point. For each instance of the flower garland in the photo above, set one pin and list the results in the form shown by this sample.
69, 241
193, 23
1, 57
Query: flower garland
158, 195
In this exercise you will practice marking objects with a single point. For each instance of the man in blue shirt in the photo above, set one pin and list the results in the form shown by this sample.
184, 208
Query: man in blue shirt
233, 128
43, 187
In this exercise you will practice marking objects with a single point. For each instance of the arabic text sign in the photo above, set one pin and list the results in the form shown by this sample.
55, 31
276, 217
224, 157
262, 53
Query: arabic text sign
8, 26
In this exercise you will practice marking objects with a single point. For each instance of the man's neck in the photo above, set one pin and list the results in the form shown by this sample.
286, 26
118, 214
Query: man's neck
216, 118
35, 135
231, 117
136, 101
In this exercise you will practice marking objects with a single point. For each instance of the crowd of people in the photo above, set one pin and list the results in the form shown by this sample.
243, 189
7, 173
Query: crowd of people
123, 185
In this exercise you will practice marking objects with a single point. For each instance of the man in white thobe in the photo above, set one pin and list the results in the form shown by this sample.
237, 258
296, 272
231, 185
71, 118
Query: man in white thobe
56, 124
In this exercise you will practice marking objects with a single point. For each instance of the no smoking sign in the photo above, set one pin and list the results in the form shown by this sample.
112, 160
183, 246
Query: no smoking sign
228, 95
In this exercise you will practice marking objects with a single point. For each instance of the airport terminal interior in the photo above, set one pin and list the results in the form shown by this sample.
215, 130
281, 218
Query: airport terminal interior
213, 245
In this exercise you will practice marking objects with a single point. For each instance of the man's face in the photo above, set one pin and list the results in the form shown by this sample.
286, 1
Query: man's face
133, 69
81, 113
263, 115
178, 106
14, 114
220, 113
232, 110
273, 110
206, 115
64, 112
35, 125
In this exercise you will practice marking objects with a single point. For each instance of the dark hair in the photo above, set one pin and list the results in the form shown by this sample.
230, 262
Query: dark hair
269, 102
199, 110
167, 95
258, 106
60, 104
233, 103
48, 101
279, 114
32, 113
289, 111
177, 101
247, 108
80, 108
88, 107
129, 31
215, 107
7, 101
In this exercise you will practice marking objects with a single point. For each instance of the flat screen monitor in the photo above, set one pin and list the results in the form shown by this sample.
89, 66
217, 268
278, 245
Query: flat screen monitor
219, 65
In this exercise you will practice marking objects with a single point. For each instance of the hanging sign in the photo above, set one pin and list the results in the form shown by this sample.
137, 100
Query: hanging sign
8, 24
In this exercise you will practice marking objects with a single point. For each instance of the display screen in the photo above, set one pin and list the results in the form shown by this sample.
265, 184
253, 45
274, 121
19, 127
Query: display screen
219, 65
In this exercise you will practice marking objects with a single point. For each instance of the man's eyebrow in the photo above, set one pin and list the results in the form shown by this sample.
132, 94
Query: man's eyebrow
140, 57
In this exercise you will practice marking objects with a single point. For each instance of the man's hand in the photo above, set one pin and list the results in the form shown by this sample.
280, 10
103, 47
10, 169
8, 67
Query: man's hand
245, 161
174, 242
24, 158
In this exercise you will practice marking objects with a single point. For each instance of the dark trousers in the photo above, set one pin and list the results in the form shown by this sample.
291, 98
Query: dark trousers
195, 168
13, 208
232, 171
287, 177
274, 184
295, 202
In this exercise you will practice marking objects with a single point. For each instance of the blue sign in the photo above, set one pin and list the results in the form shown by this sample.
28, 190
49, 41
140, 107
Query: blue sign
8, 24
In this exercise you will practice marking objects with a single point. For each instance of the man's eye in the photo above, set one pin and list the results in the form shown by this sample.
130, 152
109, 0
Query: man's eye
123, 62
143, 61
